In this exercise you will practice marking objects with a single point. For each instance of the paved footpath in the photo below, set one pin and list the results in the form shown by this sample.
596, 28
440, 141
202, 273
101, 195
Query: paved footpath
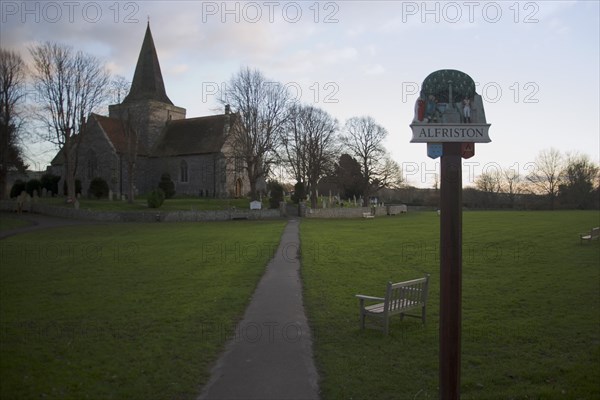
270, 356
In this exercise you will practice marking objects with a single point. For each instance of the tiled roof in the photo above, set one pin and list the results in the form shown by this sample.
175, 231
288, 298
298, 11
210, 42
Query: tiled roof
115, 131
192, 136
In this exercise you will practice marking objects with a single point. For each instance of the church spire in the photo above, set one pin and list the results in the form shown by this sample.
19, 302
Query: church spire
147, 80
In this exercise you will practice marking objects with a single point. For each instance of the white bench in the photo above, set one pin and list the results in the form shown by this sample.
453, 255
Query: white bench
594, 234
399, 298
368, 215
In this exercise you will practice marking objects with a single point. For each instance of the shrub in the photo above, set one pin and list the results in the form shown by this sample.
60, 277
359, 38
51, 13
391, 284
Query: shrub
167, 185
276, 197
50, 183
98, 188
156, 198
33, 185
17, 188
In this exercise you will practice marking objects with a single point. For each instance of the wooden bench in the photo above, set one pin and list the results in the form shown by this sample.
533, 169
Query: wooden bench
593, 234
368, 215
399, 298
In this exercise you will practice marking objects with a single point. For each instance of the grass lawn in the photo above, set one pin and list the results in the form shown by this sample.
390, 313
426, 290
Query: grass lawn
8, 222
124, 311
531, 305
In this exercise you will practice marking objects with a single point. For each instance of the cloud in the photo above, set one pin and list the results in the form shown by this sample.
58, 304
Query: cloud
374, 69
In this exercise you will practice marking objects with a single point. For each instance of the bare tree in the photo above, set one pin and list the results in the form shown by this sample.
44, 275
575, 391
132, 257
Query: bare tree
580, 176
261, 108
70, 85
489, 182
119, 87
310, 146
547, 174
363, 138
12, 96
389, 176
511, 184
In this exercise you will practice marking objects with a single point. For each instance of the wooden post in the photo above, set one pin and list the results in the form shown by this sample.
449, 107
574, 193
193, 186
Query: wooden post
450, 270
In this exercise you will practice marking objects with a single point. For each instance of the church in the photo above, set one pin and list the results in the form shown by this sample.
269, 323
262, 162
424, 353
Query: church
147, 131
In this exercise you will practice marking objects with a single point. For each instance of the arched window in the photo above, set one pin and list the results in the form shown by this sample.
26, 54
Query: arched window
183, 171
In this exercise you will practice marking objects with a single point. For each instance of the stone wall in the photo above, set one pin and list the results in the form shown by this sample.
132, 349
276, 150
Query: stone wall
144, 216
153, 215
356, 212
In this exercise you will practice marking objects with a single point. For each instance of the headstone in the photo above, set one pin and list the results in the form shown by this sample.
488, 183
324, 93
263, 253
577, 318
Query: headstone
110, 195
44, 192
76, 204
255, 205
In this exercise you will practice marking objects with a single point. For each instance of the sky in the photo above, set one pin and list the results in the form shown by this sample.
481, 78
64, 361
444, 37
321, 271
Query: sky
535, 63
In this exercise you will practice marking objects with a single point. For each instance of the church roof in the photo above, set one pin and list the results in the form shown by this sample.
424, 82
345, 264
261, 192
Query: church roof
115, 132
147, 82
201, 135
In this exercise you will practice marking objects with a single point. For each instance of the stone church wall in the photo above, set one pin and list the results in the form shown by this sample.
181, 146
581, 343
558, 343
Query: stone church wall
201, 172
96, 158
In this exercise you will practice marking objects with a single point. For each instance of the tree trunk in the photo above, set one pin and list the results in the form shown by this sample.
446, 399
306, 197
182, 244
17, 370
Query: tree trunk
313, 198
130, 173
69, 178
253, 189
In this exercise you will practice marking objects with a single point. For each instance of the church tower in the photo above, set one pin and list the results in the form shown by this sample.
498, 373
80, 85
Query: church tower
147, 105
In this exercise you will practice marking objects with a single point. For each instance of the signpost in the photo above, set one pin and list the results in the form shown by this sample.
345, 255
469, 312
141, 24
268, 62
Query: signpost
450, 118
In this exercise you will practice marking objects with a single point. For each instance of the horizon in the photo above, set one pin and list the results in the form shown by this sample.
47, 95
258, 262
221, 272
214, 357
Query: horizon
357, 58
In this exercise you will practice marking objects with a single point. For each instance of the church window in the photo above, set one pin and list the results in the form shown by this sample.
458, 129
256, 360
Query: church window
183, 174
239, 165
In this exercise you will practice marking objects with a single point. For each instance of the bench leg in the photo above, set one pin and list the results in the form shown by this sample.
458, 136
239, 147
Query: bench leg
362, 320
423, 313
386, 325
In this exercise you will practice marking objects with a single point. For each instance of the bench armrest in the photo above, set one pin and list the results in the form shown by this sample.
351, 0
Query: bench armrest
363, 297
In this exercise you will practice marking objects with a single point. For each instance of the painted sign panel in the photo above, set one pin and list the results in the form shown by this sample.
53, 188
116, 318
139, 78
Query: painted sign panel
467, 150
442, 133
435, 150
